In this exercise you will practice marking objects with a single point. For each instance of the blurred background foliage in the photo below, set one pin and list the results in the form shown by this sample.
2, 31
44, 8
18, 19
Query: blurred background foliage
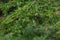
29, 19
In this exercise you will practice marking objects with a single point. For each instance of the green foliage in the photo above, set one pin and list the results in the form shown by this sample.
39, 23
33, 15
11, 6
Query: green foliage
29, 19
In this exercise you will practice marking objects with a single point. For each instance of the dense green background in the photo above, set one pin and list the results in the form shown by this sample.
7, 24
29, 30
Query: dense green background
29, 19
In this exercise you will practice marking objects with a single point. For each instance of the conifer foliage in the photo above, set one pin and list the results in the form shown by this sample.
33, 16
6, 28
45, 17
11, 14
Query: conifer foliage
29, 20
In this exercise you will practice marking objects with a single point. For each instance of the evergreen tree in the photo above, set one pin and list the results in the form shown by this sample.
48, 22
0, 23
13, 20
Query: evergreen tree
29, 19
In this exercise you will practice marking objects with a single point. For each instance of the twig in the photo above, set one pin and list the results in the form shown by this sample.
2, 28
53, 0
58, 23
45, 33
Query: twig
31, 4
